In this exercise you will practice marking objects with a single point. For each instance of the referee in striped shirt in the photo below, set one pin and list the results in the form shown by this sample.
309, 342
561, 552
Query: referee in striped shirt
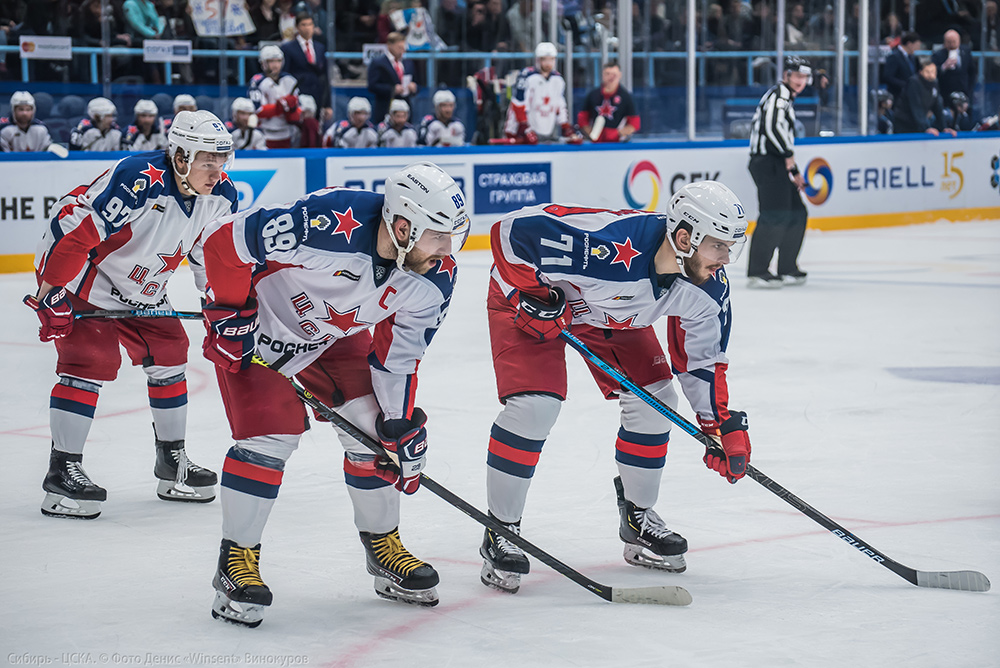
781, 223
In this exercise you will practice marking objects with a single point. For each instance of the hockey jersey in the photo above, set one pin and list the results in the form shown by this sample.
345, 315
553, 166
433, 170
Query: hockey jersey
265, 91
317, 278
85, 137
13, 138
345, 135
434, 132
116, 242
617, 108
390, 137
135, 141
251, 139
603, 261
538, 101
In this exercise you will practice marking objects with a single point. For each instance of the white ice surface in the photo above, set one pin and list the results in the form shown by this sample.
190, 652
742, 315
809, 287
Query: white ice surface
833, 376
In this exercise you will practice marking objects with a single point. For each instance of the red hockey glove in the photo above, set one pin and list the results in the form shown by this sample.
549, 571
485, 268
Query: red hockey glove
530, 137
407, 439
55, 312
731, 458
230, 342
567, 130
543, 320
288, 103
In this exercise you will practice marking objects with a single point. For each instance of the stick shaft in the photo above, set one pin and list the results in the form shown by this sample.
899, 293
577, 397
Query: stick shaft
139, 313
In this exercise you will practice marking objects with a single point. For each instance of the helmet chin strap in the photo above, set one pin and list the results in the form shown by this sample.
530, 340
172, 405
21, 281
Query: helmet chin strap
400, 251
679, 255
185, 184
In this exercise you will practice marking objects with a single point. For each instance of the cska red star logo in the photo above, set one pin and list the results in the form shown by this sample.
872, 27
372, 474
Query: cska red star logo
447, 267
627, 323
606, 109
153, 174
624, 253
346, 223
346, 321
225, 177
170, 262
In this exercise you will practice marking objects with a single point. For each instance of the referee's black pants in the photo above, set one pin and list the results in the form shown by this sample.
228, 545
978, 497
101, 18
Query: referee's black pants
781, 223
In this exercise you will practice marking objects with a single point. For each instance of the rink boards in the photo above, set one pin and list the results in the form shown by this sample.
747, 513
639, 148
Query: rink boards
851, 183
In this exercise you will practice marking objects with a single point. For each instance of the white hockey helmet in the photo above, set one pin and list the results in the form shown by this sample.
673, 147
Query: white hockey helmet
710, 209
307, 103
145, 107
398, 105
425, 195
443, 96
270, 52
242, 104
356, 104
184, 100
22, 98
100, 107
546, 50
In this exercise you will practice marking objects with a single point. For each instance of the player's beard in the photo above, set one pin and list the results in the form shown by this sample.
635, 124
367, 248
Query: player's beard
419, 262
698, 270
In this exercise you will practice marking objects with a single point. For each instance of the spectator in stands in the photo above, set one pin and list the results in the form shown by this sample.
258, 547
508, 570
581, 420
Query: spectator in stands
451, 27
243, 126
920, 108
87, 32
901, 64
442, 128
883, 100
273, 93
956, 70
265, 18
796, 27
142, 20
305, 59
521, 19
892, 28
22, 131
310, 131
823, 29
396, 131
390, 76
146, 132
489, 29
612, 103
357, 131
957, 113
286, 19
99, 132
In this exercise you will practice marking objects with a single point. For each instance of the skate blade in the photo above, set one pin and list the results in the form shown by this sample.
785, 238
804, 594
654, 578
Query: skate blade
391, 591
57, 505
639, 556
234, 612
171, 490
505, 581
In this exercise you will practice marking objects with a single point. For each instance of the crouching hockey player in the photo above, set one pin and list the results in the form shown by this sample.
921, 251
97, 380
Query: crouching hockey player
615, 273
114, 244
302, 285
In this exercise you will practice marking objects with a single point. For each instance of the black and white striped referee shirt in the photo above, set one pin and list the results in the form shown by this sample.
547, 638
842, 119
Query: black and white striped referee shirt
773, 131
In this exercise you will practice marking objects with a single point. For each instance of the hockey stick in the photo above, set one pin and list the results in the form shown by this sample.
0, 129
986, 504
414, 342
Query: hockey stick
664, 595
961, 580
139, 313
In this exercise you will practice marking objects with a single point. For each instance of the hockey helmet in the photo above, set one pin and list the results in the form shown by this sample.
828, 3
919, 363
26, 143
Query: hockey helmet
443, 96
425, 195
882, 96
798, 64
958, 97
100, 107
22, 98
710, 209
194, 131
546, 50
242, 104
398, 105
184, 100
145, 107
270, 52
307, 103
356, 104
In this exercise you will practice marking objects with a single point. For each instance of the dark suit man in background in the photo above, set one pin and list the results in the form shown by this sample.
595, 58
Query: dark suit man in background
901, 64
305, 59
956, 71
390, 77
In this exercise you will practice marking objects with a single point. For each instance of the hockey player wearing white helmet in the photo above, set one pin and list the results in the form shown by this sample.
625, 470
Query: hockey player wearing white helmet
538, 110
147, 132
22, 131
99, 132
355, 132
356, 285
611, 275
396, 131
246, 135
114, 244
275, 97
442, 128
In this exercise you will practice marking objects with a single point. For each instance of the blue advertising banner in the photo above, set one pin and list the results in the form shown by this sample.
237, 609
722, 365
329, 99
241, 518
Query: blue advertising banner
505, 187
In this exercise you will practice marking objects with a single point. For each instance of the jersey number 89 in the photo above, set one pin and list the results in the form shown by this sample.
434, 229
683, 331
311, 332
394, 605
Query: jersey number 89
277, 234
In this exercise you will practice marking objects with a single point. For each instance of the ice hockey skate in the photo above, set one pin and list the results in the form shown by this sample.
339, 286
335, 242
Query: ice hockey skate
648, 542
240, 594
180, 478
69, 491
503, 562
399, 576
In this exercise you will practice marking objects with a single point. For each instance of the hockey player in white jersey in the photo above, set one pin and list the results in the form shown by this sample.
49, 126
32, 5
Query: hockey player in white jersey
355, 132
99, 132
22, 131
303, 284
146, 132
114, 244
396, 131
538, 110
275, 97
442, 128
246, 135
612, 275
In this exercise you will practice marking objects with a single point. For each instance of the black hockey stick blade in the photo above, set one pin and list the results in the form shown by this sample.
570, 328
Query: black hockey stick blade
959, 580
139, 313
666, 595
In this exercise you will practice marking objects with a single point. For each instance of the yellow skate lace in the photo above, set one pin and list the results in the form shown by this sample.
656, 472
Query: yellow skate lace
390, 552
243, 566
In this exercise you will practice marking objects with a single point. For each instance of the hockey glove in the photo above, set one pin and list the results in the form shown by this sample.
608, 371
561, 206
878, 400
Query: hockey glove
407, 439
230, 342
571, 135
731, 458
288, 103
55, 312
543, 320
